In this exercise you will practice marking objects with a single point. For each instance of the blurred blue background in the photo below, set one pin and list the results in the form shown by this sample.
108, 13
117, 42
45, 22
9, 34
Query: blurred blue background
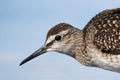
23, 27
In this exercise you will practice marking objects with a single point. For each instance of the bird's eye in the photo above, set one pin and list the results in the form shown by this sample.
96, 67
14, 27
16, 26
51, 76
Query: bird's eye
58, 38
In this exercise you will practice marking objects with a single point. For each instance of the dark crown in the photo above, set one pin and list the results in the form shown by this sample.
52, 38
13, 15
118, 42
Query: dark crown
58, 28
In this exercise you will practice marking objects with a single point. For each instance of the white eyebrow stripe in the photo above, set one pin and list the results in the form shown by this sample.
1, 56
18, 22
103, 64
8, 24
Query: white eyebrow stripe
63, 32
50, 39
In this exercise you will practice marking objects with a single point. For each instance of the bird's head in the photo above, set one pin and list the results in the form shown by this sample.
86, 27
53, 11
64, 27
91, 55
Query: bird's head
60, 38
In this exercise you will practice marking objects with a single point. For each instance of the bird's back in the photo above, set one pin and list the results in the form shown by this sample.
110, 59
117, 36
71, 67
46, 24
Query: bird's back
105, 27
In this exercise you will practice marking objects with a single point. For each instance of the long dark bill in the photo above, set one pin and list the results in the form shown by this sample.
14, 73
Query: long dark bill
35, 54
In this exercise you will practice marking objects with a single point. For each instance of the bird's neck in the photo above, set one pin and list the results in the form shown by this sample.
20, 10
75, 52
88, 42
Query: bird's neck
78, 50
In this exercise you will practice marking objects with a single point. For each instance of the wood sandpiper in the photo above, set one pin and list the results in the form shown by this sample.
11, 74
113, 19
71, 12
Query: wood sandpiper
97, 45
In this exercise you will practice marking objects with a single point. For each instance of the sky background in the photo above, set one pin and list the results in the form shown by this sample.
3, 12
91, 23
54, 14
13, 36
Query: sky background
23, 27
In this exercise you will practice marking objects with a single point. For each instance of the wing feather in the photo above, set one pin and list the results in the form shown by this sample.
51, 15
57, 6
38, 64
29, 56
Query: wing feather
107, 27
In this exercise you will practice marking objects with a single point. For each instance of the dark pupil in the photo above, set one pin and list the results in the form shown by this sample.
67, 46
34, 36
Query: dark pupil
58, 37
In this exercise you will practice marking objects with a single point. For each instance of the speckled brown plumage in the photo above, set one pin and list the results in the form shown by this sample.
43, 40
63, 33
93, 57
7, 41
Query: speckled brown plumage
107, 30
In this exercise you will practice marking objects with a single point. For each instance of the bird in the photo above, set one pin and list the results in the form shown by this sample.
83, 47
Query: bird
96, 45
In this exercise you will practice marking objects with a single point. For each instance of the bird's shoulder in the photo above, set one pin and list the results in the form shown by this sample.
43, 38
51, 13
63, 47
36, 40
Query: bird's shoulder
107, 30
104, 16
